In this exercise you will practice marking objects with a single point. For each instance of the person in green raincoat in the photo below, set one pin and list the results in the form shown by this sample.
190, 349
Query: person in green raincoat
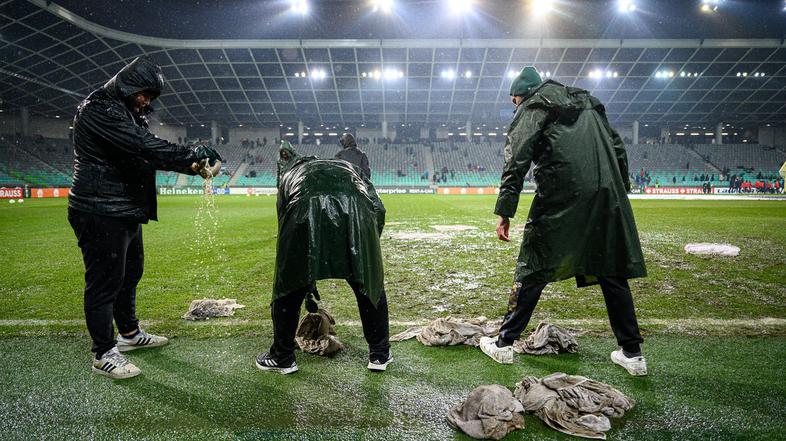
580, 224
330, 219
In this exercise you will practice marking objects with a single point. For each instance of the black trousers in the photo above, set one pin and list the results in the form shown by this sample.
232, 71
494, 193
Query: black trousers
286, 316
619, 305
114, 258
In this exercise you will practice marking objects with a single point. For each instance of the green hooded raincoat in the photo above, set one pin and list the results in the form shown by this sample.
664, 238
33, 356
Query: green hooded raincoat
581, 222
330, 219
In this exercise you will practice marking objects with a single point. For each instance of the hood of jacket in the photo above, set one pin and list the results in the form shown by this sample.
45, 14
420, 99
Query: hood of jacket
140, 75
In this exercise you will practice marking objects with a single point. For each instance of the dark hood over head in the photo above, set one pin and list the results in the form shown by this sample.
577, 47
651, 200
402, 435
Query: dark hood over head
347, 140
140, 75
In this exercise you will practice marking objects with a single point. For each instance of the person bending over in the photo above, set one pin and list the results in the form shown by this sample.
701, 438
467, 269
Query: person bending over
329, 223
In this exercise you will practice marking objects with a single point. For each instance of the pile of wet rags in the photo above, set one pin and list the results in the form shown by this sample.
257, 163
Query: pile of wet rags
573, 404
316, 334
712, 249
488, 412
205, 308
450, 331
547, 338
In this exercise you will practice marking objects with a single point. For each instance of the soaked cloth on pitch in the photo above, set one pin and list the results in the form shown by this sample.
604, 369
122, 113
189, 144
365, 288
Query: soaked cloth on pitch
712, 249
450, 331
489, 412
573, 404
547, 339
316, 334
205, 308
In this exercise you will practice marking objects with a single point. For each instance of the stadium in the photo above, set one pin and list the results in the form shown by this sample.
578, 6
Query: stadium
696, 90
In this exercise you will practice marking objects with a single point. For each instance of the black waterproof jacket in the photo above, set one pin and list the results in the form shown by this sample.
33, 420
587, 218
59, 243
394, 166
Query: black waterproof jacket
355, 156
116, 156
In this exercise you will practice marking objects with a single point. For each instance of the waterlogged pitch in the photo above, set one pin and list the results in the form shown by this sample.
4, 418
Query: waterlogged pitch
431, 270
715, 327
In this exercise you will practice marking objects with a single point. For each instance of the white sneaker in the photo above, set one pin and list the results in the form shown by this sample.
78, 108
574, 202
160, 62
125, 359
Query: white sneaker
378, 364
115, 365
501, 355
141, 340
636, 366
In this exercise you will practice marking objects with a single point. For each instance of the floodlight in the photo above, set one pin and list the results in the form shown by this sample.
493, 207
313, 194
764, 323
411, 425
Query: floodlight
385, 6
468, 74
319, 74
542, 7
709, 5
626, 5
449, 74
461, 6
392, 74
298, 6
512, 73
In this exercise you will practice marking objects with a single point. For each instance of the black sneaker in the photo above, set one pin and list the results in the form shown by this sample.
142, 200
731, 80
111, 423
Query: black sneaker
266, 362
379, 363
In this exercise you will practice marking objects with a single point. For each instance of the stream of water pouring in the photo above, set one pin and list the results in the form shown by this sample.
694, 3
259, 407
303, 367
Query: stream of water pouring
208, 251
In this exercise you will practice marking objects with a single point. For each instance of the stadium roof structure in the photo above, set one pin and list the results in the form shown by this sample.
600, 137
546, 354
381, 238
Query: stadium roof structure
51, 58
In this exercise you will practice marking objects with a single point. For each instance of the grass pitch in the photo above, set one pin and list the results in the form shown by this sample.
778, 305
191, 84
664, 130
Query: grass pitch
713, 374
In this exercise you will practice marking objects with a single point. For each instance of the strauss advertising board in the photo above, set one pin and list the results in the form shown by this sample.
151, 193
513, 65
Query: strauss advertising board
11, 193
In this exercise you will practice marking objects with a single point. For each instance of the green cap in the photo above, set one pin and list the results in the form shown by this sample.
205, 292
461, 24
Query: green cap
525, 81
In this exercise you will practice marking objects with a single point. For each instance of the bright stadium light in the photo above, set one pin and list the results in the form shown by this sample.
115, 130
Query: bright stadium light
384, 6
512, 73
541, 8
318, 74
298, 6
449, 74
392, 74
468, 74
710, 5
626, 5
461, 6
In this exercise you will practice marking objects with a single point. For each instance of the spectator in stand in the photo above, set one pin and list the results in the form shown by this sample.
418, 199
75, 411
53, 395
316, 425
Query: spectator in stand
352, 154
782, 172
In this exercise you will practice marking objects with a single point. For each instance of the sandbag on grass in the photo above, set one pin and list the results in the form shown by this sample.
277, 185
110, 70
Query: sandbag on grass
573, 404
449, 331
489, 412
316, 334
204, 309
547, 339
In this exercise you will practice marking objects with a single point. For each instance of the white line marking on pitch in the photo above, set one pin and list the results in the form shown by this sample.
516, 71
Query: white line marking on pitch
670, 323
